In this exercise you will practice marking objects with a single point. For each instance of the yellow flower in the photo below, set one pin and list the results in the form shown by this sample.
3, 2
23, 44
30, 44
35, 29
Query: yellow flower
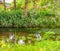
3, 45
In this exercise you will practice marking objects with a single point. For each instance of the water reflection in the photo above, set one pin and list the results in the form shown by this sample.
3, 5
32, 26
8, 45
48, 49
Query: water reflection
19, 37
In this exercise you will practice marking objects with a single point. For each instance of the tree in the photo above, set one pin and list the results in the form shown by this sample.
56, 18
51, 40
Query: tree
14, 3
34, 3
26, 7
4, 5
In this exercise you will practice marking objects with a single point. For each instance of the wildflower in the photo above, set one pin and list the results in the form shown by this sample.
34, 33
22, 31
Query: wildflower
21, 42
3, 43
11, 37
38, 36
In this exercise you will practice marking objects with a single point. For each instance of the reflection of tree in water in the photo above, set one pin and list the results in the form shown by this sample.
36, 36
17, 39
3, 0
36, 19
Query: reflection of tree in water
20, 38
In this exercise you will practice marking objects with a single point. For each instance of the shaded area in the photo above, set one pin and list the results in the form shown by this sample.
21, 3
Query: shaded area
30, 30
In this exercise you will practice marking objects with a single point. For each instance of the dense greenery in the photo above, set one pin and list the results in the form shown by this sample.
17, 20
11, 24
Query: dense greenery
36, 25
34, 13
36, 18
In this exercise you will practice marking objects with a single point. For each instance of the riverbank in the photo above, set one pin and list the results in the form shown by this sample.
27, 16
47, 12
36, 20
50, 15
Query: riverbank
30, 30
39, 46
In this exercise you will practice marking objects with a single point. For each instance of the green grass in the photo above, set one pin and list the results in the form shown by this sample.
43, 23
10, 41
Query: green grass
39, 46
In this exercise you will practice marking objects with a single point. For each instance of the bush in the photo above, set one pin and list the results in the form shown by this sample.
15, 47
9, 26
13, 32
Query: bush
49, 35
35, 18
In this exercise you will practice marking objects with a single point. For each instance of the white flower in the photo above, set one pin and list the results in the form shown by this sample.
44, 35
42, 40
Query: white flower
11, 37
21, 42
38, 37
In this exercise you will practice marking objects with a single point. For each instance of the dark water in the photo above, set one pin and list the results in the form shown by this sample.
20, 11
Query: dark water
19, 32
25, 31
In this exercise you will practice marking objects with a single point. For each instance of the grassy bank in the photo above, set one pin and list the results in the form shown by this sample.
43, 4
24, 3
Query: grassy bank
39, 46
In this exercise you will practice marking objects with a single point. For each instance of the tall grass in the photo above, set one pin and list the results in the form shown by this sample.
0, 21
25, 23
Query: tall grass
39, 46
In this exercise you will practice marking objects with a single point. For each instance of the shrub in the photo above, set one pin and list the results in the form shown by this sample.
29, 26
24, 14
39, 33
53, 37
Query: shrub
49, 35
35, 18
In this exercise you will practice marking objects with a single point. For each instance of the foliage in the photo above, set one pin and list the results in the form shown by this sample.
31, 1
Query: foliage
49, 35
36, 18
44, 15
40, 46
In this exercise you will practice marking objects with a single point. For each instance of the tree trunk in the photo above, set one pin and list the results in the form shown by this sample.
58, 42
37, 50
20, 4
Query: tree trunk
26, 8
4, 5
15, 4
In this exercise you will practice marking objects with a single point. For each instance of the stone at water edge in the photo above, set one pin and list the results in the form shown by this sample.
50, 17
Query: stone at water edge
38, 37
